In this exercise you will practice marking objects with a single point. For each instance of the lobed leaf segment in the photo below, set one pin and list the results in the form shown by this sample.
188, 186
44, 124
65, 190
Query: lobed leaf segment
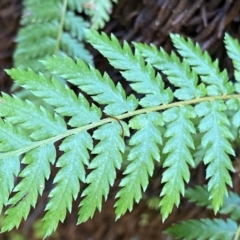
156, 121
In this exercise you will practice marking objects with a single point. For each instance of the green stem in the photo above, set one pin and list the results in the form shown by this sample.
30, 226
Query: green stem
110, 119
59, 36
236, 237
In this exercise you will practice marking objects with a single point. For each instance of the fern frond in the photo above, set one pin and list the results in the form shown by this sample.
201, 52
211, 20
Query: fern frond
39, 120
216, 142
32, 131
11, 138
231, 203
233, 50
48, 28
178, 132
99, 11
76, 5
178, 73
90, 81
199, 195
71, 47
202, 64
141, 157
67, 179
36, 11
34, 175
75, 25
61, 97
204, 229
109, 158
142, 77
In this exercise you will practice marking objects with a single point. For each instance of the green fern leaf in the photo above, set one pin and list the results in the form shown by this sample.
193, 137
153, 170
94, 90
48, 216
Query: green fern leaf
233, 49
215, 141
45, 11
104, 166
8, 168
234, 104
11, 138
76, 5
204, 229
90, 80
179, 132
61, 97
71, 47
141, 158
39, 120
99, 11
48, 28
31, 33
178, 73
32, 131
231, 203
34, 175
199, 195
67, 179
143, 77
202, 64
75, 25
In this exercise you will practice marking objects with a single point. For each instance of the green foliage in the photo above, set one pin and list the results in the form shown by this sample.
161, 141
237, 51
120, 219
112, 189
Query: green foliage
92, 129
231, 203
209, 228
204, 229
99, 11
56, 27
178, 132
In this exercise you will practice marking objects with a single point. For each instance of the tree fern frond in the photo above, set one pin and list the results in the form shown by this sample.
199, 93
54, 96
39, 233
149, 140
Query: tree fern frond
141, 158
29, 116
143, 77
178, 73
109, 157
36, 11
71, 47
31, 33
32, 131
34, 175
67, 179
231, 203
204, 229
76, 5
99, 11
233, 49
234, 104
179, 141
48, 28
11, 138
75, 25
27, 50
9, 167
90, 81
215, 141
199, 195
61, 97
203, 65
